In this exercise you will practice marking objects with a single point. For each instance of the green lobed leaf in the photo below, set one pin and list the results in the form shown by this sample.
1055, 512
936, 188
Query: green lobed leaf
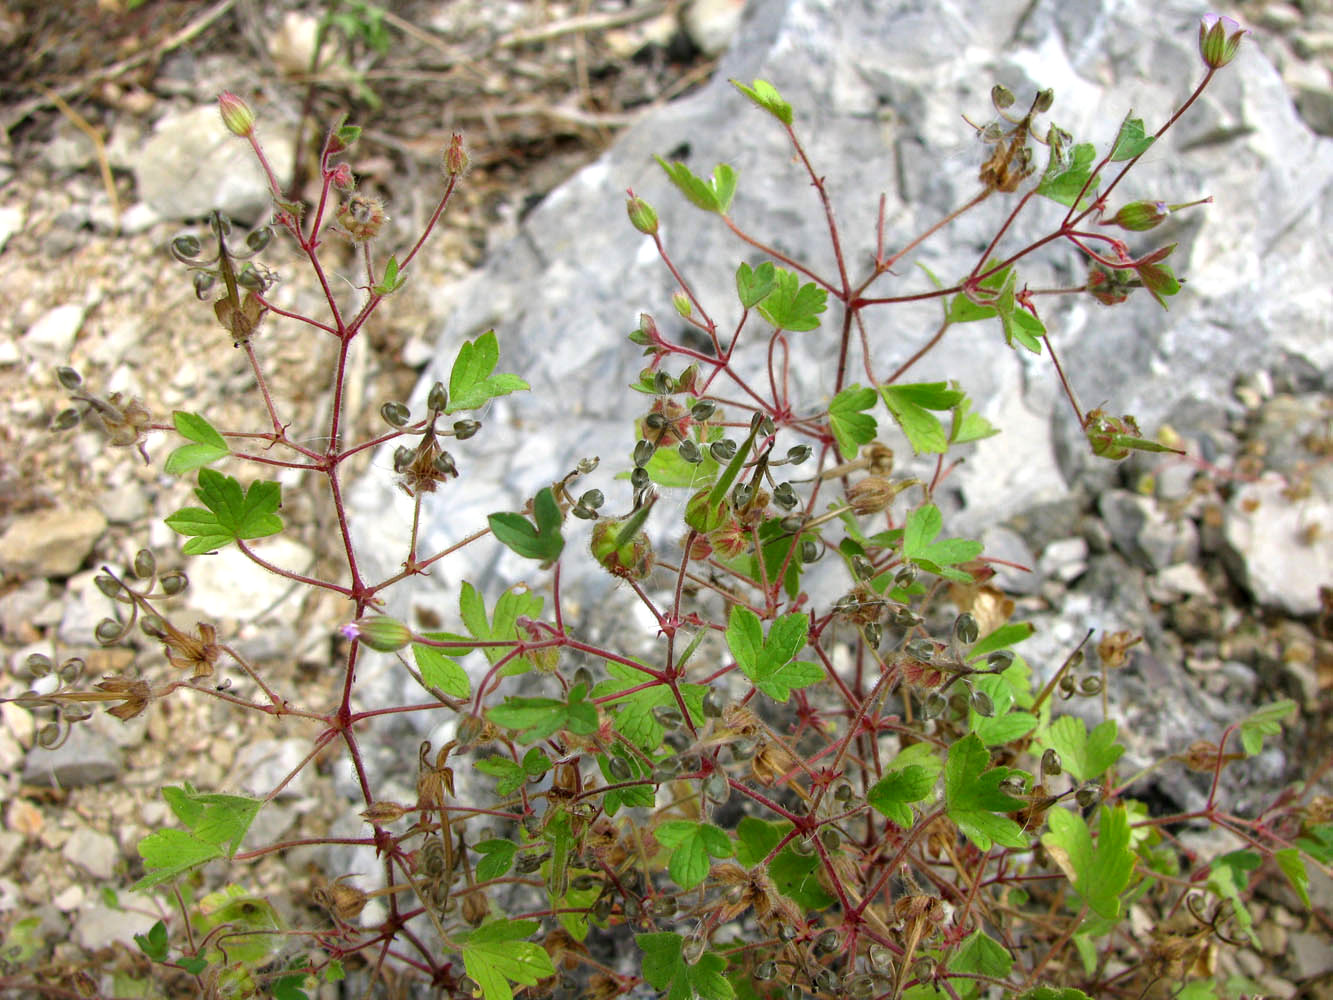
910, 405
852, 428
754, 285
392, 280
711, 196
1229, 877
496, 953
968, 426
1132, 140
471, 382
791, 305
692, 844
1101, 872
767, 97
513, 774
228, 514
217, 823
438, 670
1293, 866
973, 798
665, 968
1085, 755
498, 857
209, 445
634, 718
1002, 637
768, 662
891, 794
795, 875
919, 545
540, 718
516, 602
1263, 721
1065, 177
544, 541
982, 955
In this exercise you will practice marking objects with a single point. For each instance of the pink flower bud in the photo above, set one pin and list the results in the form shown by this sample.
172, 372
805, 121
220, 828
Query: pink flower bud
455, 157
1139, 216
236, 114
641, 215
1219, 39
380, 632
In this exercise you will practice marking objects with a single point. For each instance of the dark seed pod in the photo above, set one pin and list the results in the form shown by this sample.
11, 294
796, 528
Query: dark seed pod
592, 499
982, 704
437, 400
843, 792
965, 629
1088, 796
65, 420
258, 239
792, 524
810, 550
108, 630
828, 941
873, 634
108, 585
741, 496
766, 425
1089, 686
1051, 765
862, 568
934, 705
145, 565
784, 496
906, 576
655, 421
153, 626
921, 649
173, 583
788, 932
1000, 660
464, 429
643, 452
68, 377
639, 478
186, 248
766, 971
663, 383
793, 992
860, 987
717, 787
724, 450
803, 846
37, 664
252, 279
799, 454
219, 223
395, 414
529, 863
668, 716
69, 672
583, 513
689, 452
713, 703
584, 882
826, 981
702, 410
602, 908
444, 464
203, 284
830, 838
905, 617
620, 769
402, 458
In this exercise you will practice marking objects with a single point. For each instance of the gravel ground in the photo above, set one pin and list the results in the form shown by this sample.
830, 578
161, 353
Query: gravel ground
88, 283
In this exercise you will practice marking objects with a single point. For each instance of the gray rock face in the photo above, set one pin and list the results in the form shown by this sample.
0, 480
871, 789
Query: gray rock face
190, 166
877, 91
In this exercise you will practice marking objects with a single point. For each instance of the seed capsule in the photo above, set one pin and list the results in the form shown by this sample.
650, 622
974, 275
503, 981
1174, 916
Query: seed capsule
464, 429
438, 399
395, 414
689, 452
965, 629
724, 450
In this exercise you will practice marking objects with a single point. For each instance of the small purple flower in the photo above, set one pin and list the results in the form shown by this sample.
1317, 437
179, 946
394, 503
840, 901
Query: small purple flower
379, 632
1219, 39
